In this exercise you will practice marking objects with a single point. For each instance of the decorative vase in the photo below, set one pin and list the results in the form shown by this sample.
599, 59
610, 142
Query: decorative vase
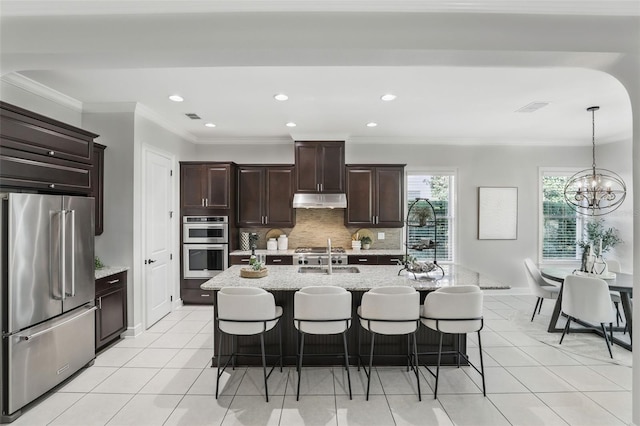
599, 265
244, 241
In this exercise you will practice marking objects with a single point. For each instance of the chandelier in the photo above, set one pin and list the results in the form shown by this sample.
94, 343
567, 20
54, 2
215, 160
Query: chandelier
594, 192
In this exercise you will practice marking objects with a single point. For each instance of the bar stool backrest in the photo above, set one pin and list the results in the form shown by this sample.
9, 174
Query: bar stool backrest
245, 304
391, 303
322, 303
456, 302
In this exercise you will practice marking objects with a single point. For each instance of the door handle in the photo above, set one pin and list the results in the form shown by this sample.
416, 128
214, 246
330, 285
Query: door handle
150, 261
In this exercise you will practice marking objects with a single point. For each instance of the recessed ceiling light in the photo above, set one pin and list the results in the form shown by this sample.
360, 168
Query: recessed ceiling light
388, 97
291, 124
210, 125
281, 97
176, 98
372, 124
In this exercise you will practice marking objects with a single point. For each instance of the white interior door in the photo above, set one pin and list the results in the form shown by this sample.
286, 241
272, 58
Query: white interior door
157, 221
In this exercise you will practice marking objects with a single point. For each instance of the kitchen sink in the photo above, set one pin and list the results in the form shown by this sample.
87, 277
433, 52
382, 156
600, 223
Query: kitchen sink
324, 270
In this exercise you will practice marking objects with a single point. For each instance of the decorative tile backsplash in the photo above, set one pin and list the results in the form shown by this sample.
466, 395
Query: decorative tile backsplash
314, 226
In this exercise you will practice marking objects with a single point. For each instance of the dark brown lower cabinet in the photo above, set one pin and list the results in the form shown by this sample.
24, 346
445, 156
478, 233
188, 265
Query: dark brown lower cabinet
111, 301
191, 293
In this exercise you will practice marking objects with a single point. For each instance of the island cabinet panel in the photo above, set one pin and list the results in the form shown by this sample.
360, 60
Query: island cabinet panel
206, 188
265, 196
319, 166
375, 196
390, 350
111, 301
42, 154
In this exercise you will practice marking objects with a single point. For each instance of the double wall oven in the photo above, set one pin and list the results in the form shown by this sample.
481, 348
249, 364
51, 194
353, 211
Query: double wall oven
205, 246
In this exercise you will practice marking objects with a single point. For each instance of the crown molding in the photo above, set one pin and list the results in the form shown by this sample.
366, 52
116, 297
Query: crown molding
20, 81
137, 7
275, 140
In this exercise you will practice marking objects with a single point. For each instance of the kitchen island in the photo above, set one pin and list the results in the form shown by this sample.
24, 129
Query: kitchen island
283, 281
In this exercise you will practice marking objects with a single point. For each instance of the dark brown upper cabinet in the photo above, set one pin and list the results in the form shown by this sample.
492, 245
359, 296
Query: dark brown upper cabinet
97, 186
205, 186
319, 166
265, 196
375, 196
42, 154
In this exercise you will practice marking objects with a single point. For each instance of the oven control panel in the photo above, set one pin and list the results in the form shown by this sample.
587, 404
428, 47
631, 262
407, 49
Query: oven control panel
321, 259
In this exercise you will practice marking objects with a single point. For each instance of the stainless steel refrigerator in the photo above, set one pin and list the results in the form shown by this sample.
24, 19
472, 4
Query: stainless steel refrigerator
47, 295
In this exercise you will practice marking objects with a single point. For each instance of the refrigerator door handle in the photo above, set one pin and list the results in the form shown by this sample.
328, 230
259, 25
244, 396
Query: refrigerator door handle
47, 330
63, 254
73, 253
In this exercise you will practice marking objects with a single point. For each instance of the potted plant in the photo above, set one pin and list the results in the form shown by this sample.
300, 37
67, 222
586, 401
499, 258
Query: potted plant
599, 238
365, 241
421, 213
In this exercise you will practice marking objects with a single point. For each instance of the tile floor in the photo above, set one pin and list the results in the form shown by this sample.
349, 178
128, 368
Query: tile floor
163, 378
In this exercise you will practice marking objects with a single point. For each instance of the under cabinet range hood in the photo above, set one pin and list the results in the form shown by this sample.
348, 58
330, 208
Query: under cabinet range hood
319, 201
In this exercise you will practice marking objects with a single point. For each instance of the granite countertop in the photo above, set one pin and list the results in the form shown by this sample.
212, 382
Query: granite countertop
291, 252
109, 270
283, 277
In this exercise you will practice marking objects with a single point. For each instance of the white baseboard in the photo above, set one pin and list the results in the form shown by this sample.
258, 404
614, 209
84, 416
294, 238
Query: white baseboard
132, 331
176, 304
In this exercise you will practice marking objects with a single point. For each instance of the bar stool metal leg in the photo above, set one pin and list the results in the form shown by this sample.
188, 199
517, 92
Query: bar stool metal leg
484, 389
264, 366
373, 338
346, 361
435, 391
301, 354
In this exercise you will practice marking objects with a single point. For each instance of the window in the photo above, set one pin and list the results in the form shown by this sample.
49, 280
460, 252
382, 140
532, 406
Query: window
439, 188
561, 226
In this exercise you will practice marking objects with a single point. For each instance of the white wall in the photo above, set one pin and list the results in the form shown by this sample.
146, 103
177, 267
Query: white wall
115, 245
476, 166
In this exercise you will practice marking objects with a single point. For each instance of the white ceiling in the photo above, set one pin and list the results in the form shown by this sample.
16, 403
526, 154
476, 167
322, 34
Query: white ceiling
436, 104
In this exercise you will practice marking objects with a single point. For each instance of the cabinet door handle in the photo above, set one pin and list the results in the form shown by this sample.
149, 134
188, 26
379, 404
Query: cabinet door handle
394, 260
266, 220
321, 187
115, 281
206, 202
244, 260
202, 202
363, 260
52, 153
276, 260
100, 303
205, 295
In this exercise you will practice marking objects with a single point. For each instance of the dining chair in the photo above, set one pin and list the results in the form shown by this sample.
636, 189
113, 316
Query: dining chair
587, 299
614, 266
539, 286
246, 311
454, 310
322, 310
393, 310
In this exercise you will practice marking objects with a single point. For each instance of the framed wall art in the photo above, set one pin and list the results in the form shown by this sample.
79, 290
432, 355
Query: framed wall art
497, 213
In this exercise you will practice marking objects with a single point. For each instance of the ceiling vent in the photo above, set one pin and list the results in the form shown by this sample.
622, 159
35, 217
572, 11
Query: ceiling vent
193, 116
533, 107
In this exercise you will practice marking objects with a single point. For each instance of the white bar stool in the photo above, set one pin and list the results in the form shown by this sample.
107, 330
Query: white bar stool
454, 310
246, 311
322, 310
393, 310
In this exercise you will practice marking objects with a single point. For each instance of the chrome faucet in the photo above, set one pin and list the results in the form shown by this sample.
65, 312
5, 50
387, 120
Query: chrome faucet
329, 258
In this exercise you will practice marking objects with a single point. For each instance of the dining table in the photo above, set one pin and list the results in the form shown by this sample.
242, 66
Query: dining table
622, 283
